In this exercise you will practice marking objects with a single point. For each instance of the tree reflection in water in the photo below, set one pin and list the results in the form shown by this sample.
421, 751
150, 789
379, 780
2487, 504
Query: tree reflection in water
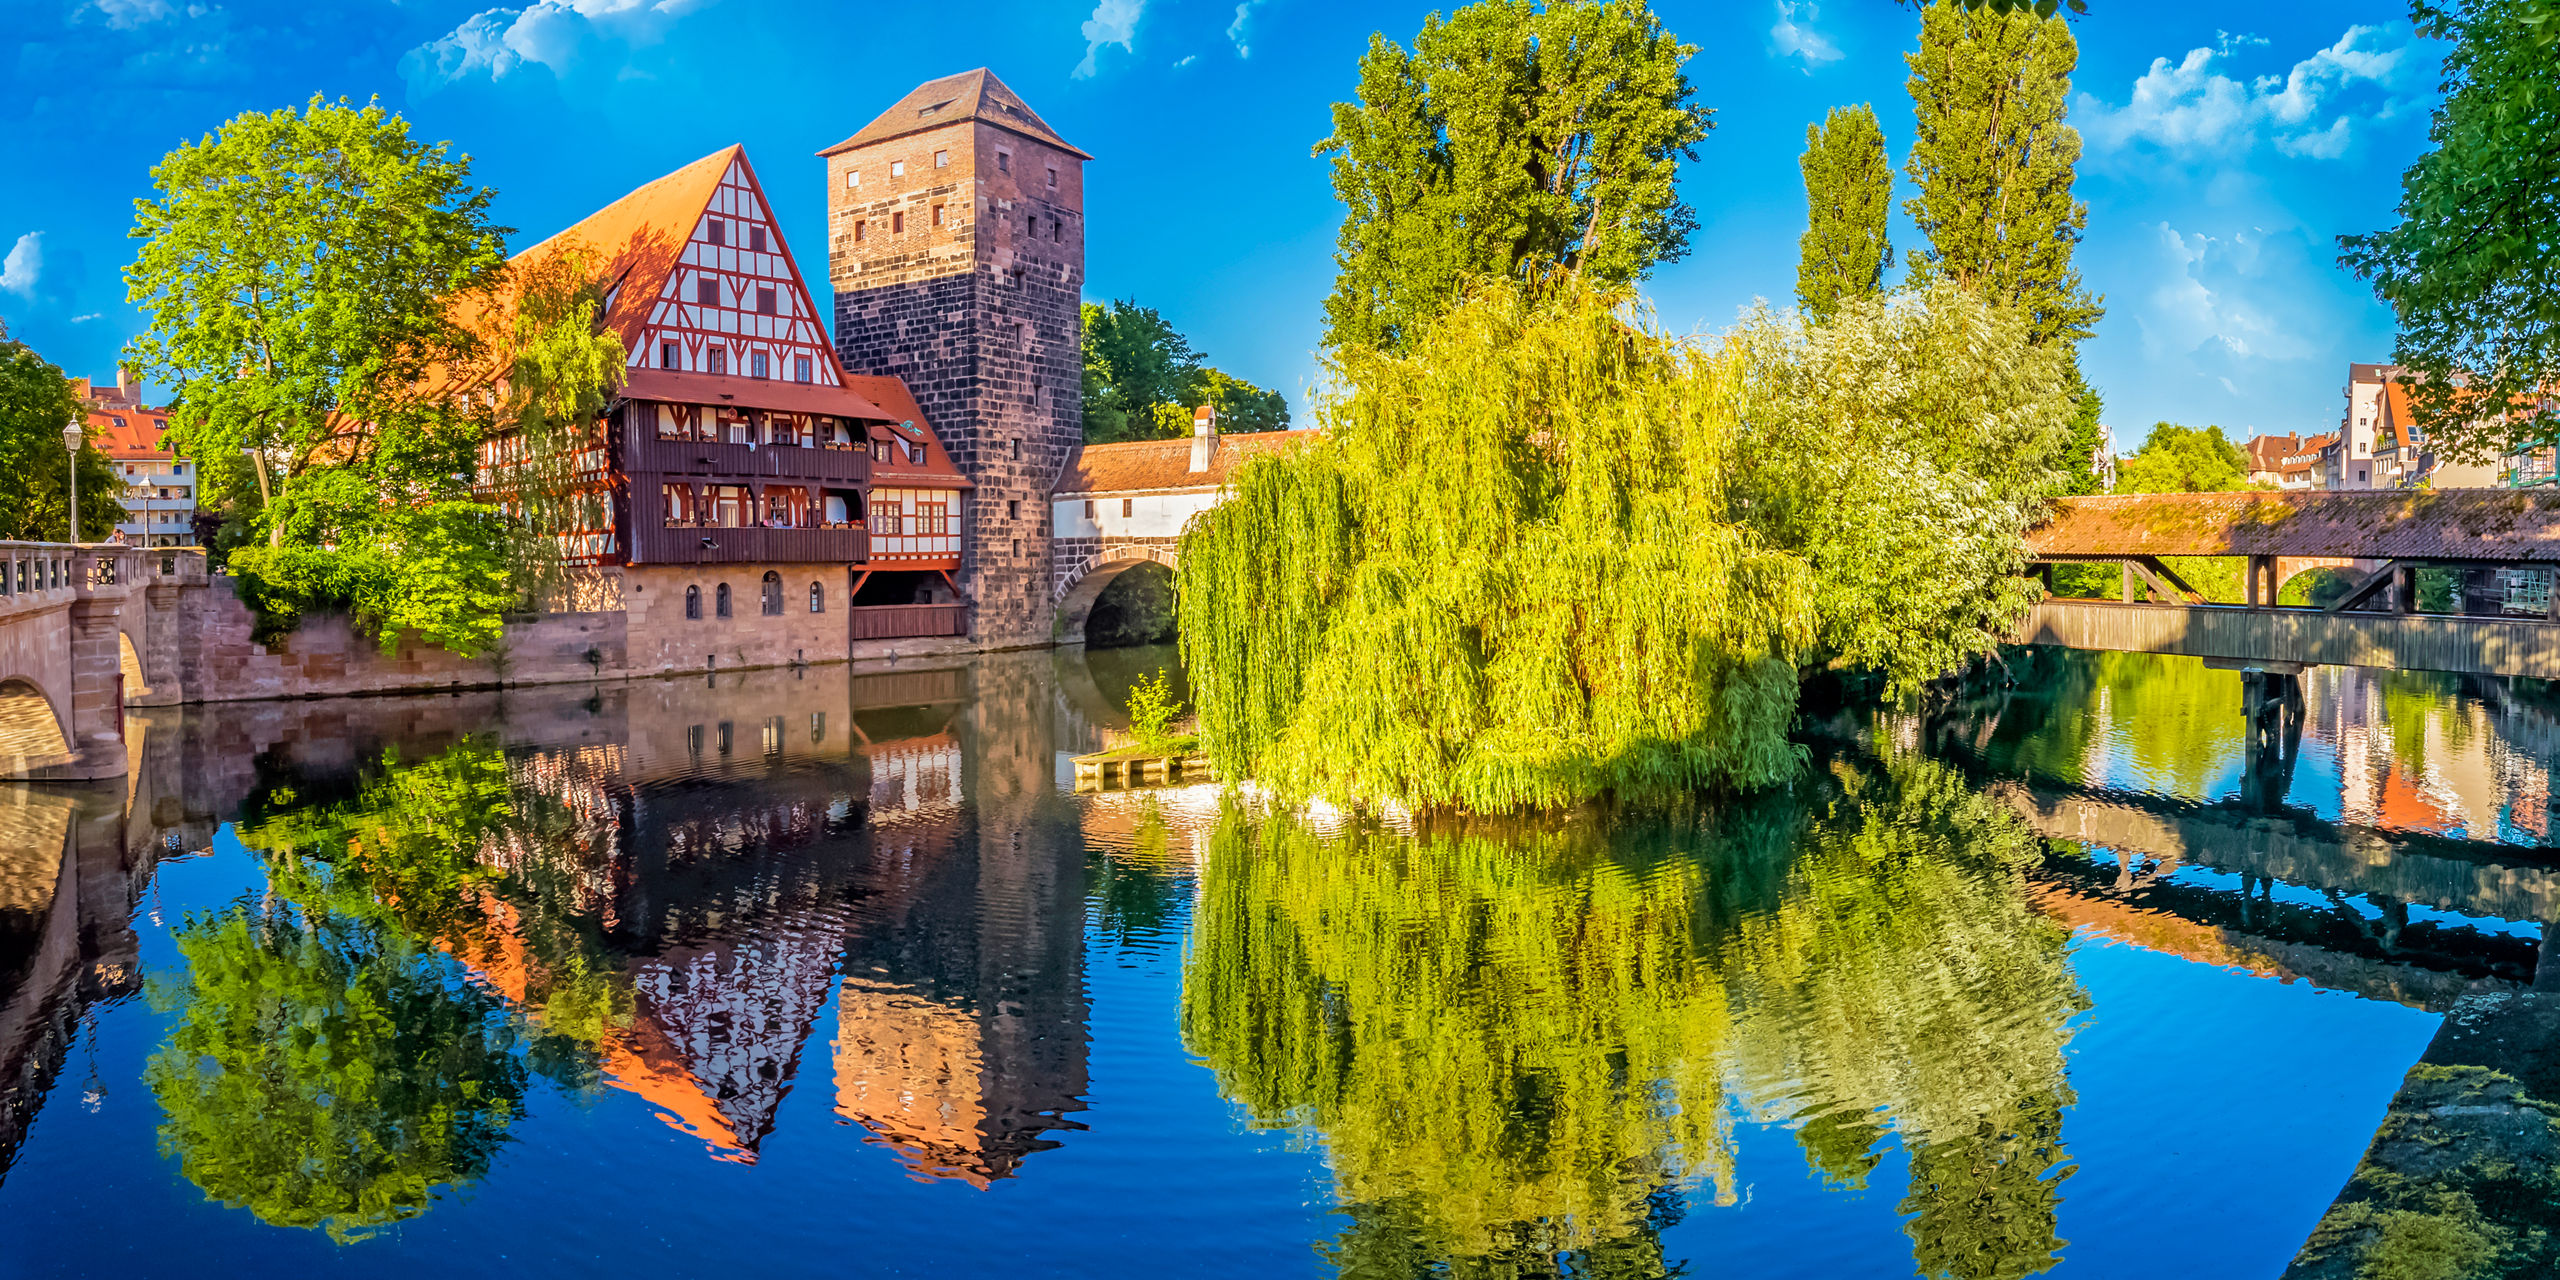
1517, 1042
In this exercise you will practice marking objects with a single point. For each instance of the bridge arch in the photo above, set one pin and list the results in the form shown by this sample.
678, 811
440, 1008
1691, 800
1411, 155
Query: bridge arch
129, 662
1084, 585
31, 734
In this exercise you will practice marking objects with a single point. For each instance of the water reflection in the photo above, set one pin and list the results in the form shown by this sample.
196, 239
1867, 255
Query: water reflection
769, 910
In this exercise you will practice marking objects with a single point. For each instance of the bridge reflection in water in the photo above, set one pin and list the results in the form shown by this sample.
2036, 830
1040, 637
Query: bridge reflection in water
754, 905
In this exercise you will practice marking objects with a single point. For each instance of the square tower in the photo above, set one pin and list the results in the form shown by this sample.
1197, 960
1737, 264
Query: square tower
955, 241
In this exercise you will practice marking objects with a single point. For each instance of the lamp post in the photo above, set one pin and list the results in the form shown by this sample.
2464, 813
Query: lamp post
71, 445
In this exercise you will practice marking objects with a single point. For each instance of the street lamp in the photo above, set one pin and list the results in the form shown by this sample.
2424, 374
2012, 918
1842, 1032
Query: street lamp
71, 444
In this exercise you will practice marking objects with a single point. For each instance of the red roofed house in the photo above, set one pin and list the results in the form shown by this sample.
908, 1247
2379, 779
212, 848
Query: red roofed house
159, 486
2287, 461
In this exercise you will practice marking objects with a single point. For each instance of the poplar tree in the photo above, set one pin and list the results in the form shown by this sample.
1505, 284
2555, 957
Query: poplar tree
1848, 191
1993, 163
1514, 139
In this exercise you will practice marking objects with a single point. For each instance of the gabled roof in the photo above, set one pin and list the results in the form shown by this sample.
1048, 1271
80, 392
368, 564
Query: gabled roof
898, 405
138, 437
970, 95
639, 238
1154, 466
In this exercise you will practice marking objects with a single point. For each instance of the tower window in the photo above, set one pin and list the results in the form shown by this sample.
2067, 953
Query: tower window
1013, 448
941, 159
718, 231
1057, 231
1004, 162
706, 292
720, 360
755, 239
764, 302
897, 168
667, 355
1013, 509
1032, 225
937, 215
853, 177
800, 368
897, 224
860, 225
760, 363
1053, 179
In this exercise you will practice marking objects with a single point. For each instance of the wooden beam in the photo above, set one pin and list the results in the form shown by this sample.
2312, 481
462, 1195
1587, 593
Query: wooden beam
2364, 587
2166, 581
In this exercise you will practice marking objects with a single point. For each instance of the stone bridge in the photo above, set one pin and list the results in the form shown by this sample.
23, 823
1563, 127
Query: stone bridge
85, 631
2502, 545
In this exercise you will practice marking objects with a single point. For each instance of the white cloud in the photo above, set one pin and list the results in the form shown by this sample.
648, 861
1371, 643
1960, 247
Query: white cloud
1113, 22
553, 33
1793, 39
25, 262
1235, 29
2229, 297
94, 315
2190, 106
1185, 60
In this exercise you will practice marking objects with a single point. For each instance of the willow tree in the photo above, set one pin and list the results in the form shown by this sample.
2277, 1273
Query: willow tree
1488, 1109
1515, 138
1848, 194
1508, 576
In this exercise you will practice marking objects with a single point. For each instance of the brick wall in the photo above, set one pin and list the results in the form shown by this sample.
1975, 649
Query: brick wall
219, 662
663, 639
980, 315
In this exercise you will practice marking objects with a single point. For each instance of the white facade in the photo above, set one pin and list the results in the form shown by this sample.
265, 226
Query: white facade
1157, 514
159, 501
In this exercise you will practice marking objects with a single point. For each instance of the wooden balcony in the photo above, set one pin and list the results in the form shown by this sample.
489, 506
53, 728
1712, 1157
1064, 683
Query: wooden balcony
771, 461
909, 621
652, 544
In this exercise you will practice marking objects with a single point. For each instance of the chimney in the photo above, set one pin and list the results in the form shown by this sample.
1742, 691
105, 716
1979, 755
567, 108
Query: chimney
1204, 437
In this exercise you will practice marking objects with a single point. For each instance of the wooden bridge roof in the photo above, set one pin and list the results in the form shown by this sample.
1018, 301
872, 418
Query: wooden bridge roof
2418, 524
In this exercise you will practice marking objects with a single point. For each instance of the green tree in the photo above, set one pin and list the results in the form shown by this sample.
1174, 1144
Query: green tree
1848, 192
36, 402
304, 273
2472, 271
1515, 139
327, 1072
2088, 436
1993, 163
1242, 407
2176, 459
1142, 379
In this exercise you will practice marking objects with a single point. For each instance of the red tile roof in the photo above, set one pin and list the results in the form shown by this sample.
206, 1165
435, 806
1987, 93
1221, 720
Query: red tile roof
897, 405
137, 437
970, 95
1143, 466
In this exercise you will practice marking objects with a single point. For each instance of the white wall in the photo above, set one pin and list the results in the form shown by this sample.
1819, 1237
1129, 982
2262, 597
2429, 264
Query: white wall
1148, 515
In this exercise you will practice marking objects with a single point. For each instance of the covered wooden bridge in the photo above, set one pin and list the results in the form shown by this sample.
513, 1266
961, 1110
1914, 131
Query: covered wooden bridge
2501, 545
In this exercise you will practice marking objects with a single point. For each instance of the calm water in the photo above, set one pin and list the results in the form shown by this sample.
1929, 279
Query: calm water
823, 974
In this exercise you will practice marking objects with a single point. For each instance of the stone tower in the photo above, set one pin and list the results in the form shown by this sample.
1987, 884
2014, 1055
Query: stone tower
955, 241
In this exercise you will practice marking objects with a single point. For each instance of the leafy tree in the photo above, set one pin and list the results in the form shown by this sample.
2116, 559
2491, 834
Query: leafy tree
304, 273
1142, 379
2176, 459
36, 402
1902, 451
1515, 139
328, 1072
2473, 269
1994, 163
2088, 436
1848, 191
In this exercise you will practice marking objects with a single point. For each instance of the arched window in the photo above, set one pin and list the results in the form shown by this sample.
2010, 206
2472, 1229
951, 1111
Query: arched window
771, 595
817, 598
692, 603
720, 600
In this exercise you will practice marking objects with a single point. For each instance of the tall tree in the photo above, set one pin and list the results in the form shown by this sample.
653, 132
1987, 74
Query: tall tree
1848, 192
1142, 379
35, 403
1515, 138
2473, 268
2176, 459
1993, 162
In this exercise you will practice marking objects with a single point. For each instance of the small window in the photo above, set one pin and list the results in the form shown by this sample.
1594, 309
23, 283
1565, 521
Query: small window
897, 224
719, 231
764, 302
879, 451
1088, 508
1057, 231
853, 177
1004, 162
1017, 548
772, 594
1128, 506
759, 365
817, 604
861, 227
720, 360
937, 215
1012, 509
755, 239
800, 368
693, 611
1032, 225
706, 292
720, 606
1053, 179
941, 159
817, 719
668, 354
897, 168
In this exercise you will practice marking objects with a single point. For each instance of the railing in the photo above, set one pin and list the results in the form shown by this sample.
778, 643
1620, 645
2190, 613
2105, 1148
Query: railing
696, 545
909, 621
770, 461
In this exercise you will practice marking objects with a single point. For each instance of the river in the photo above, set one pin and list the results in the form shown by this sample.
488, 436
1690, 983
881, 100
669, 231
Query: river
827, 973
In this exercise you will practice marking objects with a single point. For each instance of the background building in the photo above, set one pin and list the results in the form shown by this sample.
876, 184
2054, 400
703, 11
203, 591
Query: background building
159, 486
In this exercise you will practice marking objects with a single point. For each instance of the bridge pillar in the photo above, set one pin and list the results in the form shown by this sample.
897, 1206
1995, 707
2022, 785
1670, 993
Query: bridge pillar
167, 574
106, 583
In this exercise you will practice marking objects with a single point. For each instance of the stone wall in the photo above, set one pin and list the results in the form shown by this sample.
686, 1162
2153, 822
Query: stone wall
218, 661
662, 639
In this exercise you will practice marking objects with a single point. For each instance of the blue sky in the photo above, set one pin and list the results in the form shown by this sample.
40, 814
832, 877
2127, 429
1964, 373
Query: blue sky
2221, 164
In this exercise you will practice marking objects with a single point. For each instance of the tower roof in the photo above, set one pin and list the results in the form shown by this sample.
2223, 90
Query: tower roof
970, 95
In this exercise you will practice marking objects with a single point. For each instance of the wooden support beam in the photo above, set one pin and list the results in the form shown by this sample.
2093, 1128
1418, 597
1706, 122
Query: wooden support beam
2364, 587
2163, 579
